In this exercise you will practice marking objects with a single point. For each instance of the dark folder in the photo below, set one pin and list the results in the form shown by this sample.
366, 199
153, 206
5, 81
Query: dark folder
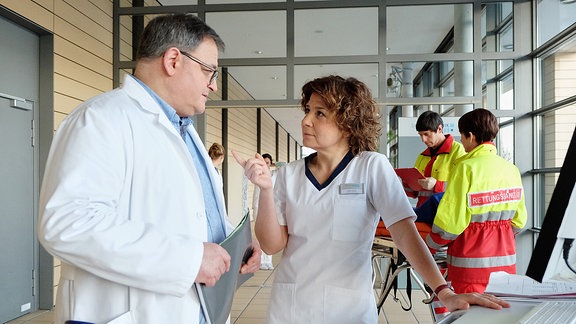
216, 301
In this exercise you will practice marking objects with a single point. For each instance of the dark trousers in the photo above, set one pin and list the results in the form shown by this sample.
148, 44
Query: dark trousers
427, 211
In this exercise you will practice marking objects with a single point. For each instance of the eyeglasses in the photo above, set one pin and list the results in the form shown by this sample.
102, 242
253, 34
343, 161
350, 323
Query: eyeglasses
205, 65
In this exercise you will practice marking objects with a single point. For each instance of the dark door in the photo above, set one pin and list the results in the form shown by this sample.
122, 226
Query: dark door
19, 84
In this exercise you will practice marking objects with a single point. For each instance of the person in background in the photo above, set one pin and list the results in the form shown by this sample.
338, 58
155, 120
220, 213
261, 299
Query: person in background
436, 161
482, 209
323, 211
130, 201
266, 260
217, 153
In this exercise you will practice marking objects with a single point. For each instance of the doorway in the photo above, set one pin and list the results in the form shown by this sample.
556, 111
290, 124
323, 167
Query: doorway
19, 92
16, 208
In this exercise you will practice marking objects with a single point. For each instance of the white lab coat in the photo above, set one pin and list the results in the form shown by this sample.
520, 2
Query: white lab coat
325, 274
122, 206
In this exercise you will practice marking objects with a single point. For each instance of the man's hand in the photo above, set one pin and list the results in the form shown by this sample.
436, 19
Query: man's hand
253, 263
215, 262
427, 183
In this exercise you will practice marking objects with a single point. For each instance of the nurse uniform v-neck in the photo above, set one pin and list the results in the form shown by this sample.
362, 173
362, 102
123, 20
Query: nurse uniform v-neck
339, 168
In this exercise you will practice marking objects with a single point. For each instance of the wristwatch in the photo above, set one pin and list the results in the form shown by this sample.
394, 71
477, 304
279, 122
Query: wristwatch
442, 287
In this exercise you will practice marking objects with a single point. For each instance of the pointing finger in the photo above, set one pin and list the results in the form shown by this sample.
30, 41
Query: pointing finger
238, 158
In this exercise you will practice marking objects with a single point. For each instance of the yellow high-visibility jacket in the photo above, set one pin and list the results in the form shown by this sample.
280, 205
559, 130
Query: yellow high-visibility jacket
480, 213
437, 166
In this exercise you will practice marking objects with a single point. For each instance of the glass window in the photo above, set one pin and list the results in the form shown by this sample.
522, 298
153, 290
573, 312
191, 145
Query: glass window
367, 73
506, 39
557, 129
426, 85
553, 16
498, 84
507, 9
432, 79
447, 89
557, 73
445, 68
506, 93
498, 93
545, 184
505, 140
556, 84
497, 27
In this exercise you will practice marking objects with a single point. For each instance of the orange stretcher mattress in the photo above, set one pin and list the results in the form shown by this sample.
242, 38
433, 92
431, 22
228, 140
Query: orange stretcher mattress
423, 229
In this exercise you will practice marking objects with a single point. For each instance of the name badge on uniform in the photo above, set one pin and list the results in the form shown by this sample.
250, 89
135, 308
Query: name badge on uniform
351, 188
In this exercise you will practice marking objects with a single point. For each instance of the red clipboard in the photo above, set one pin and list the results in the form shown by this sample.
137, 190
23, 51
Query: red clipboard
410, 177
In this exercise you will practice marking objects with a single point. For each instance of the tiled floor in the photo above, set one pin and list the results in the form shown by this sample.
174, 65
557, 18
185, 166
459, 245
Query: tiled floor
251, 301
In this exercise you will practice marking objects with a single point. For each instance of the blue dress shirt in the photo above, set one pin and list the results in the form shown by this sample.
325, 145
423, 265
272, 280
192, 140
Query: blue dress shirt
216, 227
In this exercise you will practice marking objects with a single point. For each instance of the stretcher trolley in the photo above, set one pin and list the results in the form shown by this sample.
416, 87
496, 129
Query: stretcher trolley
388, 263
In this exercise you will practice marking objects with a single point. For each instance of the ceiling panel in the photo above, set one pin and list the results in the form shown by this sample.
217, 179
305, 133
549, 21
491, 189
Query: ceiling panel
318, 33
418, 29
262, 82
250, 34
336, 32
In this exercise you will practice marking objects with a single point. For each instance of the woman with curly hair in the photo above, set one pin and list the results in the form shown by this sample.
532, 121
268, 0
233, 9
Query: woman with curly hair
323, 211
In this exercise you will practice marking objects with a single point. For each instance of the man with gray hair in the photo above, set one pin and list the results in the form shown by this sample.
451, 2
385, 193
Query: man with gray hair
130, 201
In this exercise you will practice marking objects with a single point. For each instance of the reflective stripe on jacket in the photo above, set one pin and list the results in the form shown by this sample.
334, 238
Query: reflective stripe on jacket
437, 166
478, 216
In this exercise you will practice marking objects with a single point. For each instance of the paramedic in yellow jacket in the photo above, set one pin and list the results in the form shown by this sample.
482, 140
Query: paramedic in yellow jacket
434, 162
482, 209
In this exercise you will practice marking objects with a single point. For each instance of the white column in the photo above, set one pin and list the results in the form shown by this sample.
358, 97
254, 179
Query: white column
407, 88
463, 43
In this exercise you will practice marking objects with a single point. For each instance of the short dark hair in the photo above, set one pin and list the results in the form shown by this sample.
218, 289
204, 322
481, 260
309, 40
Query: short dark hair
429, 121
267, 156
183, 31
480, 122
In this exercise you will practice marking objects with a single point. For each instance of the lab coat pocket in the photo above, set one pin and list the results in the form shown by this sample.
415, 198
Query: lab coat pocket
125, 318
342, 305
282, 304
350, 219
